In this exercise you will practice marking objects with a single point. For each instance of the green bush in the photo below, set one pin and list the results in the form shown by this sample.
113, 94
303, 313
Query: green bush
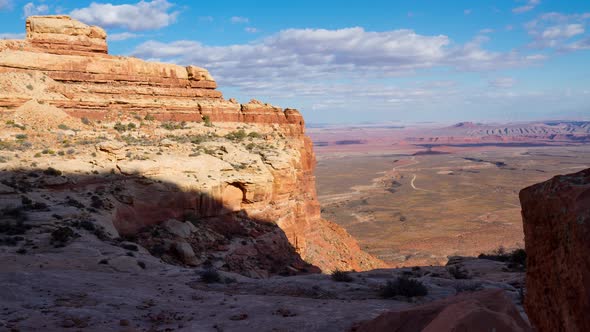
236, 135
149, 117
63, 126
207, 121
171, 125
120, 127
254, 135
403, 287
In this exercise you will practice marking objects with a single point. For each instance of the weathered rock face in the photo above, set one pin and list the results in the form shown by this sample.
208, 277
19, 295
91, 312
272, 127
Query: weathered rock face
488, 310
62, 70
556, 216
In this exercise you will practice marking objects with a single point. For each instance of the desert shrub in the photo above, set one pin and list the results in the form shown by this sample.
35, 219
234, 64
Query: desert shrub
4, 159
120, 127
30, 87
237, 135
52, 172
48, 151
210, 276
13, 124
171, 125
63, 126
341, 276
254, 134
62, 235
517, 256
207, 121
458, 272
131, 126
149, 117
403, 287
85, 121
21, 137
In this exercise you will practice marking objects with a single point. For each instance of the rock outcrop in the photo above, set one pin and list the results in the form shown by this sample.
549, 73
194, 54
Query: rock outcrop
556, 216
488, 310
203, 168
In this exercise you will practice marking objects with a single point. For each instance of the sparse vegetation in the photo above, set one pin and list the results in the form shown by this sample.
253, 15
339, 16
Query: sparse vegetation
171, 125
341, 276
120, 127
21, 137
63, 127
85, 121
210, 276
52, 172
403, 286
207, 121
237, 135
254, 134
62, 236
516, 259
149, 117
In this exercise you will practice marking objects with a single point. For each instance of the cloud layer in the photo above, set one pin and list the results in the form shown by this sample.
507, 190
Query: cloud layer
351, 53
144, 15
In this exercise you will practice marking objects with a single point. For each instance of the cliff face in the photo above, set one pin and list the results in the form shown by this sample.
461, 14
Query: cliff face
556, 216
253, 162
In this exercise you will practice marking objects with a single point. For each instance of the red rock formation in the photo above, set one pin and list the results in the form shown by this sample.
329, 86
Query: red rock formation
80, 78
556, 216
488, 310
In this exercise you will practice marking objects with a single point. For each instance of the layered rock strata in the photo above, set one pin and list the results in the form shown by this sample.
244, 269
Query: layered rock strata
62, 71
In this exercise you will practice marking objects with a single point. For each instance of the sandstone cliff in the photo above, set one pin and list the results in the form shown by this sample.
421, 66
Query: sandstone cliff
556, 216
180, 147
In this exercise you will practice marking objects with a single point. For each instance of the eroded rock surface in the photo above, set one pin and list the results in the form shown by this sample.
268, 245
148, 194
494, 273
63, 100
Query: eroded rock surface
159, 142
488, 310
556, 216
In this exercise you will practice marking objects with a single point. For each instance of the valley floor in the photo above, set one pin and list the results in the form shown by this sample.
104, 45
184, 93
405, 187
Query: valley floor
411, 209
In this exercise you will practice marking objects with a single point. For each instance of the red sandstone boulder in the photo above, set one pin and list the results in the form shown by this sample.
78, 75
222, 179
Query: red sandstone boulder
556, 216
488, 310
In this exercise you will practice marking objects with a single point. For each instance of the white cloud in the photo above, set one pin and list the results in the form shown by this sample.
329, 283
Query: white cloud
122, 36
486, 31
144, 15
5, 4
12, 35
555, 30
530, 5
32, 9
251, 30
502, 82
313, 54
239, 20
563, 31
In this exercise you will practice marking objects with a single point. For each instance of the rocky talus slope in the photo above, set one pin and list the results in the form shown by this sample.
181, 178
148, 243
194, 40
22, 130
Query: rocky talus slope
153, 142
556, 216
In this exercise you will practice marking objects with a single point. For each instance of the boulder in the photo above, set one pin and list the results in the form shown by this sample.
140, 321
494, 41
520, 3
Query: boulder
185, 252
556, 216
179, 228
488, 310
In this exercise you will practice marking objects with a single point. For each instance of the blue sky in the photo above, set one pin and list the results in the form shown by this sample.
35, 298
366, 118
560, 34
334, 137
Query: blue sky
362, 61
